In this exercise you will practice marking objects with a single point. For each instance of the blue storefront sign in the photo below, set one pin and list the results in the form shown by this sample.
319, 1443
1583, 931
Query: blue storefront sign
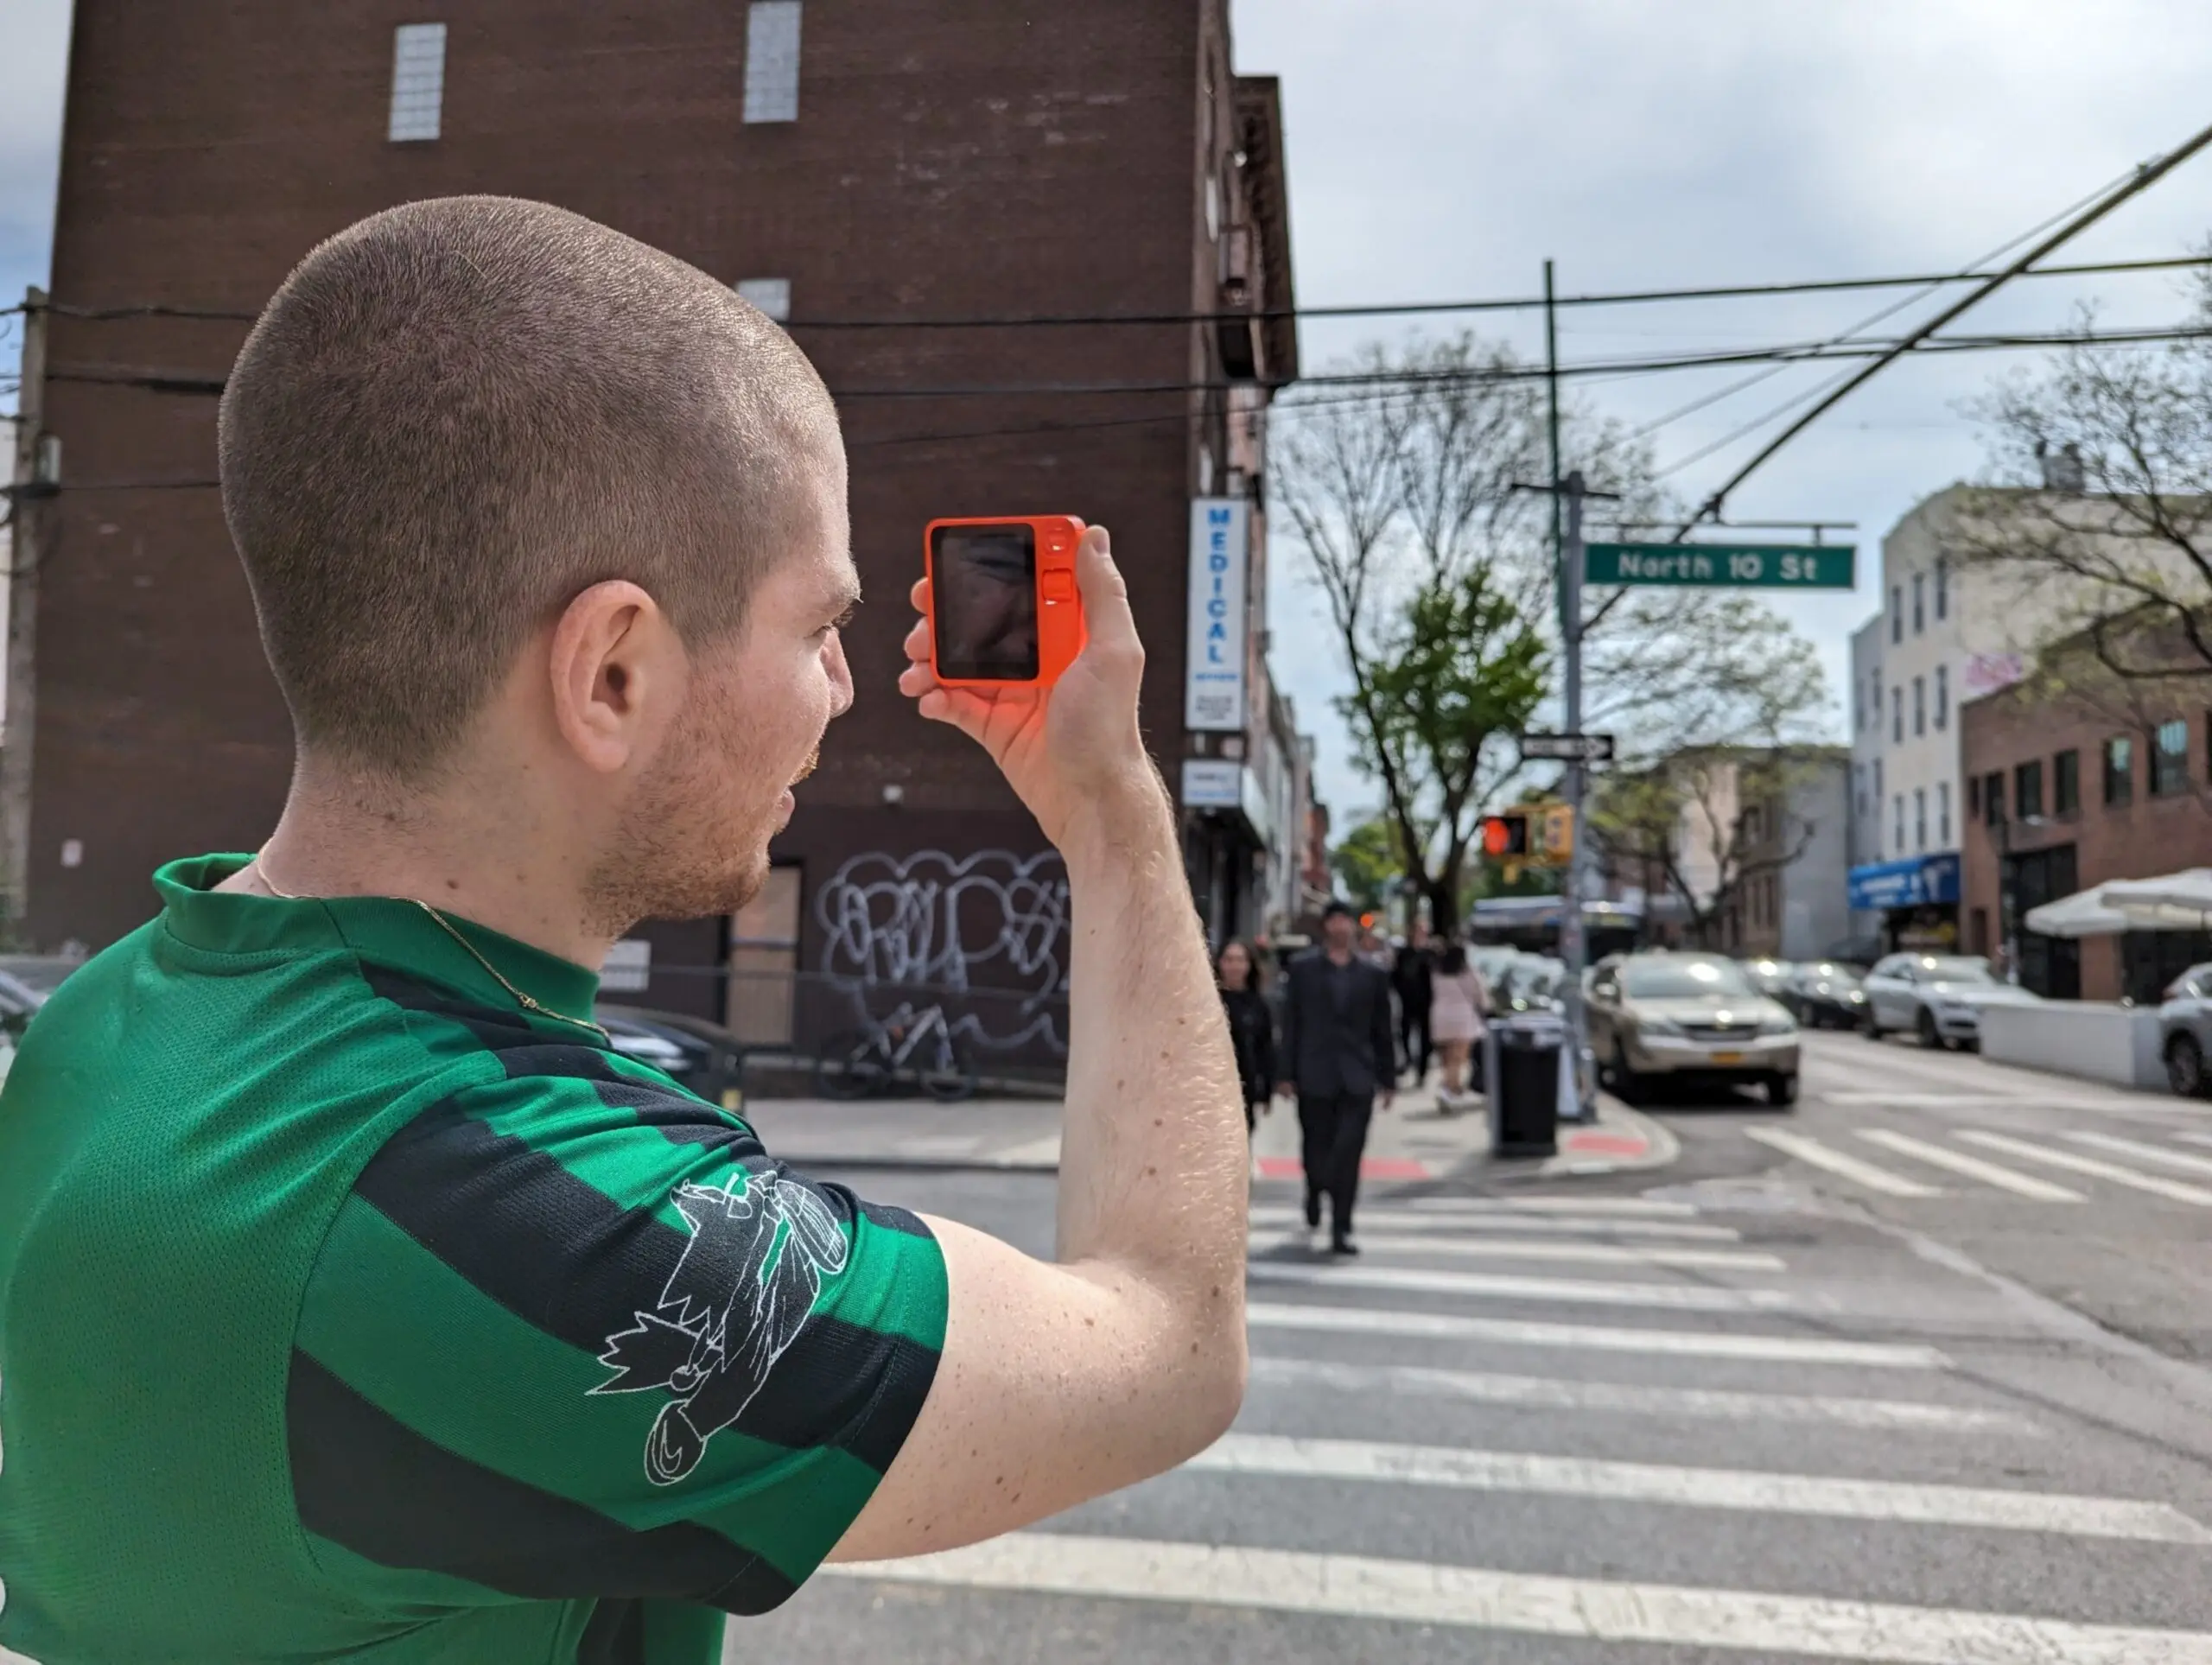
1919, 881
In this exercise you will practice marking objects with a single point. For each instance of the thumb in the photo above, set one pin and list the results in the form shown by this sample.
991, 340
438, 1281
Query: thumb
1107, 619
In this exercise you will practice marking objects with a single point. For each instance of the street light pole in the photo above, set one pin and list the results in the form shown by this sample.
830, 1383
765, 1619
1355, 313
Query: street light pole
1574, 948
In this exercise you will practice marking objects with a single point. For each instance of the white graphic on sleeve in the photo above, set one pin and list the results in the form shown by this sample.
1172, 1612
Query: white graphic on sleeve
761, 1245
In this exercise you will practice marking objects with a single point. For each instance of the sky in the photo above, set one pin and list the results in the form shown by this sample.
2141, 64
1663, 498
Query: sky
1441, 149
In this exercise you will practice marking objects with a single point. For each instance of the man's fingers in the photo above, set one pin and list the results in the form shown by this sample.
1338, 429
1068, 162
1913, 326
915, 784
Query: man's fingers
1106, 614
919, 640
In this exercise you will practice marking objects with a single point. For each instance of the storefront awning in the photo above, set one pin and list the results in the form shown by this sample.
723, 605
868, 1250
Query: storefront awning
1915, 882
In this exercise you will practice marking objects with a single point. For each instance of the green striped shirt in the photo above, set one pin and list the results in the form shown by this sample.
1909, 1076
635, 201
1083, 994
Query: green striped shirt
347, 1309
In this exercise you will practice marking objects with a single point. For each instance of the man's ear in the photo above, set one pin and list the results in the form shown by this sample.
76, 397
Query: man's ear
615, 661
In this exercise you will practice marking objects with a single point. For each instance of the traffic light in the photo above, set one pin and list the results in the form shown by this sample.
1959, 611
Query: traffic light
1505, 836
1555, 847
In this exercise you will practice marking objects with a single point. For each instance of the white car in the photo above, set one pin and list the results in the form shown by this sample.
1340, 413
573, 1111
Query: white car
1938, 997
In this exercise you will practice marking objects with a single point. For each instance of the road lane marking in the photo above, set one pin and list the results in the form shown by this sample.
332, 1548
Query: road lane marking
1526, 1332
1499, 1286
1644, 1206
1468, 1469
1546, 1225
1836, 1162
2119, 1176
1973, 1168
1591, 1610
1716, 1260
1967, 1101
2137, 1148
1551, 1393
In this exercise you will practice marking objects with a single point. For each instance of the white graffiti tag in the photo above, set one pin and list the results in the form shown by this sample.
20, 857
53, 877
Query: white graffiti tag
992, 921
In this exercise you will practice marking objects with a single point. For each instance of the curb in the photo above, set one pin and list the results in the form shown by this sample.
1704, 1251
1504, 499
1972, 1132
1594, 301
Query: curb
1661, 1147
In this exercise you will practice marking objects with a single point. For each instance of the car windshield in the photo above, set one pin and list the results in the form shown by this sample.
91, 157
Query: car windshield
1673, 979
1951, 969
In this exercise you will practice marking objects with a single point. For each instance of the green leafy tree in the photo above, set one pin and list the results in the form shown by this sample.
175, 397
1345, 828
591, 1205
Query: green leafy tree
1368, 863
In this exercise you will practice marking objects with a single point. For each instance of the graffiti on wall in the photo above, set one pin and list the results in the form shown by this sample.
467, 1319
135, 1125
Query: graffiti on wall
992, 923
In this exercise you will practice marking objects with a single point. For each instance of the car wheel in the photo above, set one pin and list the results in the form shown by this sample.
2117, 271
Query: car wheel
1930, 1037
1871, 1028
1782, 1091
2185, 1067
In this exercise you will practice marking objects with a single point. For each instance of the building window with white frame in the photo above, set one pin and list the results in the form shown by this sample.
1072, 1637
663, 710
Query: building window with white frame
771, 60
1942, 697
418, 83
772, 295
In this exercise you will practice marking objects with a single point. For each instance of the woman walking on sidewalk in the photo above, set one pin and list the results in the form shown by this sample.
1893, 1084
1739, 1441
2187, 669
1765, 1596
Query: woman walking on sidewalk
1251, 1025
1460, 1003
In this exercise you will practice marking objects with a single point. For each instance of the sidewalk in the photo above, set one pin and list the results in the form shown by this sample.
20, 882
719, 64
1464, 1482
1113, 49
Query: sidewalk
1411, 1141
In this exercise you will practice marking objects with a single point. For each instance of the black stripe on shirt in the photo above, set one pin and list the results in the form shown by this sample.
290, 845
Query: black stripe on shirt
564, 1257
372, 1484
614, 1636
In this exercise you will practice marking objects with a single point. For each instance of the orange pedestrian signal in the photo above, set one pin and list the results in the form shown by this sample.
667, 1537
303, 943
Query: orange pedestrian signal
1505, 837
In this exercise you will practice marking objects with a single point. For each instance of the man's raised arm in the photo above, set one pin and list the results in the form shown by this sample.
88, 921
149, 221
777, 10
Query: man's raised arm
1059, 1382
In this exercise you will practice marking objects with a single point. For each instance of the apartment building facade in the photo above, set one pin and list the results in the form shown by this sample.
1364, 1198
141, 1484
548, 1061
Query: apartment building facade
920, 189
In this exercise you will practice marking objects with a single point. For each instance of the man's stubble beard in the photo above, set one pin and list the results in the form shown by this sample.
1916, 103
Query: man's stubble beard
676, 855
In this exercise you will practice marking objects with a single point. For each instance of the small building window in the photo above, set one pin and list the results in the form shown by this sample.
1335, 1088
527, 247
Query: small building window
1943, 586
2119, 772
772, 295
1920, 705
2027, 790
1942, 815
1992, 797
418, 82
2066, 782
1919, 598
2170, 758
1899, 803
1919, 818
1896, 714
772, 61
1942, 697
1897, 613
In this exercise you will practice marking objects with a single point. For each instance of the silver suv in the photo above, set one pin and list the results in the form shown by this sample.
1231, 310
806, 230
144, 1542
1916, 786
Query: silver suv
1689, 1017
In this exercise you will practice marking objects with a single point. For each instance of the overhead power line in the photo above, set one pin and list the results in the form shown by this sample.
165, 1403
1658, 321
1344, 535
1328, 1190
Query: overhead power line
1371, 309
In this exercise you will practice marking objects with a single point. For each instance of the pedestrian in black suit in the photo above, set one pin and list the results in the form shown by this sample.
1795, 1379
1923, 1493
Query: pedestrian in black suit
1413, 974
1337, 1052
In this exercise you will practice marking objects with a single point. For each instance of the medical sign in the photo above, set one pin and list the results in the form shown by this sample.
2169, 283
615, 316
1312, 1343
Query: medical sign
1213, 676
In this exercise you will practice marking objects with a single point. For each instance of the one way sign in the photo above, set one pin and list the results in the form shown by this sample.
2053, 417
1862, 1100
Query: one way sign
1567, 749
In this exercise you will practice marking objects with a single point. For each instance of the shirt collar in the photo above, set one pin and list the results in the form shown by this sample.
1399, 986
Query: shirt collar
388, 930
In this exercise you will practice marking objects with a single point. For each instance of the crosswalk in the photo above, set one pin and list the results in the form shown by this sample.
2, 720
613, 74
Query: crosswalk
2069, 1167
1630, 1415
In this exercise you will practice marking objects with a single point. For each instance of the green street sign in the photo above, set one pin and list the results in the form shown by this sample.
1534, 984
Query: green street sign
1743, 566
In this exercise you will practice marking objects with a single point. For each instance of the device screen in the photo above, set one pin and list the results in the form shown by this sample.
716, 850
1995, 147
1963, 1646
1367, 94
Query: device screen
983, 588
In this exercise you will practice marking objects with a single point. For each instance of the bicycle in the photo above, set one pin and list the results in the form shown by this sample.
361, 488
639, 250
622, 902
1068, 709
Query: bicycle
859, 1062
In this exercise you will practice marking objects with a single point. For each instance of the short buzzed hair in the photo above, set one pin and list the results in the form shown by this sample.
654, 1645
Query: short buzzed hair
457, 414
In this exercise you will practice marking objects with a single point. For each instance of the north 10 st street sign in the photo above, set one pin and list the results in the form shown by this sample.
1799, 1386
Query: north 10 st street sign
1747, 566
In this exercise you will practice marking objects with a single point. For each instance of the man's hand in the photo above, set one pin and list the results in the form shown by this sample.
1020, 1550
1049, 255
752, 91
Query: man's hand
1073, 749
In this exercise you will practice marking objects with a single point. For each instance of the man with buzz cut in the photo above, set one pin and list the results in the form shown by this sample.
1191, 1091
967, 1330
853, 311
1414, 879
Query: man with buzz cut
357, 1298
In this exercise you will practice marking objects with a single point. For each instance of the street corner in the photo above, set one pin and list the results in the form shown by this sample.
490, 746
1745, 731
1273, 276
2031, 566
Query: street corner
1620, 1141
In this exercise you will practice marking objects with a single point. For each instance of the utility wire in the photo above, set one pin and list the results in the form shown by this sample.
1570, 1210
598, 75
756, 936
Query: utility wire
2140, 180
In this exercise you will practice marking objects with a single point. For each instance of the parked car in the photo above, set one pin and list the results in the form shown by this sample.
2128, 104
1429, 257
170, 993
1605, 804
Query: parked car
1825, 994
698, 1054
25, 981
2185, 1032
1531, 983
1691, 1018
1770, 978
1938, 997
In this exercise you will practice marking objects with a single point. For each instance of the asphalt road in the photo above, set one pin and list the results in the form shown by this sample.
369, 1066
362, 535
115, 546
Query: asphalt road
1892, 1378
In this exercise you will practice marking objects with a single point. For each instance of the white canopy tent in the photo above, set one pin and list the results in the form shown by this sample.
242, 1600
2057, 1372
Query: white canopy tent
2179, 901
2085, 913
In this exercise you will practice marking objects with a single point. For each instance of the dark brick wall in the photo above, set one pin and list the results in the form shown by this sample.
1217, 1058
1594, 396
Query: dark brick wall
952, 158
2147, 837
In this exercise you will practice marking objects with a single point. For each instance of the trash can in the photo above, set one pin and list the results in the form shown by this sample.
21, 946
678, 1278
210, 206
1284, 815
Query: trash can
1521, 1071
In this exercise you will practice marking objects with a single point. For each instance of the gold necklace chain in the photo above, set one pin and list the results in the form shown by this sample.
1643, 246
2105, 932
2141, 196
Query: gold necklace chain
528, 1002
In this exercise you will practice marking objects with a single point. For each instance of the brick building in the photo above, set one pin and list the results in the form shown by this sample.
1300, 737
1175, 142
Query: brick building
2065, 790
920, 187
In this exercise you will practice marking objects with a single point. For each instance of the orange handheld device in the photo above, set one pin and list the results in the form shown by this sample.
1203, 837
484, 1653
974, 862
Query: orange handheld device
1004, 610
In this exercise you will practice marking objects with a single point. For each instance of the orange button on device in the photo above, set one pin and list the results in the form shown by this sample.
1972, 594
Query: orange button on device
1058, 585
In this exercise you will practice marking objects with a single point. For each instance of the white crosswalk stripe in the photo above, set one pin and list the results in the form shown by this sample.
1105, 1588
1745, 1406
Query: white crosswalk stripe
2172, 1188
1533, 1332
2025, 1184
1637, 1207
1372, 1587
1631, 1399
1692, 1488
1838, 1162
1438, 1223
1683, 1297
2146, 1153
1708, 1259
